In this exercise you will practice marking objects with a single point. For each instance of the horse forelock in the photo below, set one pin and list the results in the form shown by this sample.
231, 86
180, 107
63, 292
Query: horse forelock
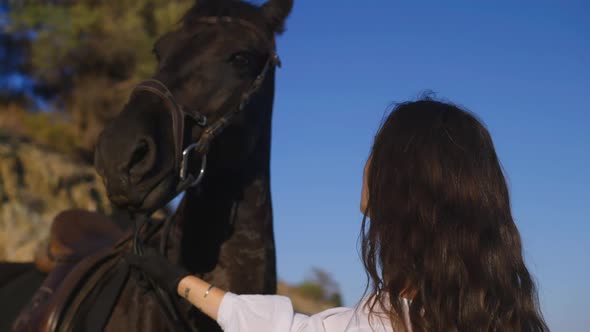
228, 8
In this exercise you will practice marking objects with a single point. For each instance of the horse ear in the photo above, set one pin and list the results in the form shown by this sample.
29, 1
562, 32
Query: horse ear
276, 13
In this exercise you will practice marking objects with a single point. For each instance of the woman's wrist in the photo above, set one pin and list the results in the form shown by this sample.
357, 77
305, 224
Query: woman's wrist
201, 294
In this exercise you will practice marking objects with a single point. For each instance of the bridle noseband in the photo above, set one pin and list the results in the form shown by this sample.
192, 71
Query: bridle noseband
201, 146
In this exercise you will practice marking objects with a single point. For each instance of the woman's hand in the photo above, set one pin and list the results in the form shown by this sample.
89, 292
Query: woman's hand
158, 268
177, 280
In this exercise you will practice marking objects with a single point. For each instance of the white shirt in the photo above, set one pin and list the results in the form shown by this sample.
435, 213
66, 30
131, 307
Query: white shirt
273, 313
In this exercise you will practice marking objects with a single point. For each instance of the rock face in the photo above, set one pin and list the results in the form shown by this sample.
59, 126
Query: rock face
35, 185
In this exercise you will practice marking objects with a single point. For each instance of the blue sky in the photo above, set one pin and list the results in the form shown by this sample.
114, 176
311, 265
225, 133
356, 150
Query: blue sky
523, 67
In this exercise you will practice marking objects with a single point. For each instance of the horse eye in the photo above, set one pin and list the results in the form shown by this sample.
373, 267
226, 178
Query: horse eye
240, 60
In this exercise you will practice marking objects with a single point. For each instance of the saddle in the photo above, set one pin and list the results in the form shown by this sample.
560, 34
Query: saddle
84, 248
76, 234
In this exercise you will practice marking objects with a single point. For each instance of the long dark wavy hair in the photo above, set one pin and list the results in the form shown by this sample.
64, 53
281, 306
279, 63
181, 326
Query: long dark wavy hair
438, 226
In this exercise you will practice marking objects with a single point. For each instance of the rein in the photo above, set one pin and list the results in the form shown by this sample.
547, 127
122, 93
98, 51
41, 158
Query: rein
200, 147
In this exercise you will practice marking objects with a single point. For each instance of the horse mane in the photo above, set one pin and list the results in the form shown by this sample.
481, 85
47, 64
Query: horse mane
232, 8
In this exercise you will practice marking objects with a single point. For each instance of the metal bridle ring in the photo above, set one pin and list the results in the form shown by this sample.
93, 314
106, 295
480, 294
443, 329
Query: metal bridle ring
184, 164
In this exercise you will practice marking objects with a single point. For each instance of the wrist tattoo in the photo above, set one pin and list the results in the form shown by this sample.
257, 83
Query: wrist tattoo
187, 291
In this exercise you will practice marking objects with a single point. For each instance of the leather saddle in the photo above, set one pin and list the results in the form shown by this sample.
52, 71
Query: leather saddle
76, 234
84, 249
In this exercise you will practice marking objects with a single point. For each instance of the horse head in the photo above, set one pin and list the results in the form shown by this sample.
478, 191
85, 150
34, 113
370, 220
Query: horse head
213, 86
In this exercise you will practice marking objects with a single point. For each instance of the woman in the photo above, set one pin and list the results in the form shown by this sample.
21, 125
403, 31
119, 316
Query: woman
439, 242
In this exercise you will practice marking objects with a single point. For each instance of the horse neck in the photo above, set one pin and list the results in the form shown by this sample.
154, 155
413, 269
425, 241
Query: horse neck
228, 203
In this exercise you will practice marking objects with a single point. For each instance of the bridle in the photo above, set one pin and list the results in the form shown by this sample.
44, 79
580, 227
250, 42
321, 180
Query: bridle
179, 114
211, 131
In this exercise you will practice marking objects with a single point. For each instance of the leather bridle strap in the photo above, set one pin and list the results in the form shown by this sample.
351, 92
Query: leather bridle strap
177, 112
212, 131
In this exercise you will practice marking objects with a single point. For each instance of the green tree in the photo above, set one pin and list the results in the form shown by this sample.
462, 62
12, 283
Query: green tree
90, 53
320, 286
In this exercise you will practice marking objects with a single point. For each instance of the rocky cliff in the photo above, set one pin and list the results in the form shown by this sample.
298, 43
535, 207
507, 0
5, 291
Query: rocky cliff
35, 185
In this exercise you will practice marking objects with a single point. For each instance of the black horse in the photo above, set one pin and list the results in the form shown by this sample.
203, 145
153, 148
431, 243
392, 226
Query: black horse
210, 101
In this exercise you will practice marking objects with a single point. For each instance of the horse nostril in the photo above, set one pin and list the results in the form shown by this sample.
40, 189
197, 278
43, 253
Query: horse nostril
139, 154
142, 158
